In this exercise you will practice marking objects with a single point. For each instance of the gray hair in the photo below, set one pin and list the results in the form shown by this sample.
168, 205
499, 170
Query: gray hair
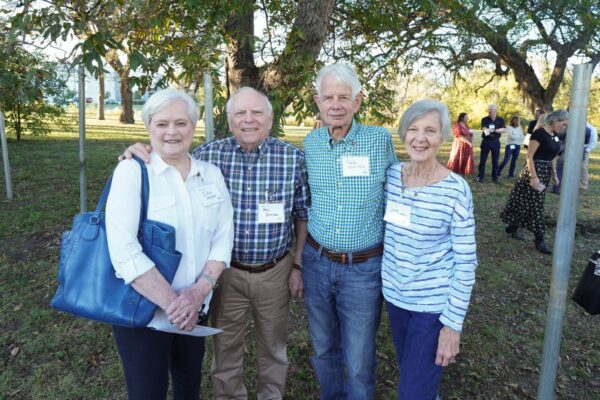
163, 98
541, 121
492, 107
420, 108
246, 89
341, 73
555, 116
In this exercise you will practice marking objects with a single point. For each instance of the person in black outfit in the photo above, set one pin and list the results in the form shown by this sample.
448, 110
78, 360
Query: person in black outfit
492, 127
525, 205
532, 123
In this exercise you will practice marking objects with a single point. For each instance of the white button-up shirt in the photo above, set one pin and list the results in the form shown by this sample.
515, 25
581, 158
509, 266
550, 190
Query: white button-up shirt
199, 208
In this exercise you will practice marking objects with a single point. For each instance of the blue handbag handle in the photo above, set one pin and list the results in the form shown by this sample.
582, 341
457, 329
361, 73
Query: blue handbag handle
95, 218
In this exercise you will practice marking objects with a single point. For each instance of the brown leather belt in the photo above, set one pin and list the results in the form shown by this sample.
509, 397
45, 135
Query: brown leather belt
344, 258
254, 269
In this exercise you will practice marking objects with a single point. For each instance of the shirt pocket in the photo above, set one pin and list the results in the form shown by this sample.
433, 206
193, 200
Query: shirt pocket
163, 208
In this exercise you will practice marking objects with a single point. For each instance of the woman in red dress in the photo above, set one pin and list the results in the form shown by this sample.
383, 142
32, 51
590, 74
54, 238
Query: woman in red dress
461, 155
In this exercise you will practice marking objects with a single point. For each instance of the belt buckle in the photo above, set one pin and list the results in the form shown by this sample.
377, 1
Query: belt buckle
343, 256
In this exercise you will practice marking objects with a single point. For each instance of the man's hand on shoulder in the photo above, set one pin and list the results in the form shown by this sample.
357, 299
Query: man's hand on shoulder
139, 149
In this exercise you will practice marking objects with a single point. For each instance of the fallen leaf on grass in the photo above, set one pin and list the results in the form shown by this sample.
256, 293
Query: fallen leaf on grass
18, 307
14, 351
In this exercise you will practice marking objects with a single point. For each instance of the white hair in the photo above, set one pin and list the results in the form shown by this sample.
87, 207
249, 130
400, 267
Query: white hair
341, 73
163, 98
247, 89
420, 108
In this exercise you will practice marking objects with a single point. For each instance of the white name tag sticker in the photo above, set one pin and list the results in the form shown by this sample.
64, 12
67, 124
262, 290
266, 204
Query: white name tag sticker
512, 146
556, 139
271, 213
355, 166
209, 195
398, 214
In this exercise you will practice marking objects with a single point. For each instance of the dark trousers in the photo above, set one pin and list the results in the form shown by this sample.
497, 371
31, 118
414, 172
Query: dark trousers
512, 155
415, 336
148, 356
488, 146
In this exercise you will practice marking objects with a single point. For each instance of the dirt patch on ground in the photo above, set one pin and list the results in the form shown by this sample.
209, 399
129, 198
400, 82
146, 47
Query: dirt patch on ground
29, 248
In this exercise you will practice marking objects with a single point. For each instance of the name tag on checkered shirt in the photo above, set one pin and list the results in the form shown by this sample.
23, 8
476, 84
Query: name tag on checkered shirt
355, 166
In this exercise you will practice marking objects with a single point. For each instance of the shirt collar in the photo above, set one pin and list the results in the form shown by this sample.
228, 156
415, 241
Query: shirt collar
159, 165
261, 149
350, 136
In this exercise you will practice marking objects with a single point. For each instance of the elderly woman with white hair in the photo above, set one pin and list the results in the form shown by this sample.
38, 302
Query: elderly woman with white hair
429, 258
191, 196
525, 205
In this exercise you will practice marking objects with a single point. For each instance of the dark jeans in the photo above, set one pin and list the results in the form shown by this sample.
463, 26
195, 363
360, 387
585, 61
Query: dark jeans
415, 336
148, 356
488, 146
512, 155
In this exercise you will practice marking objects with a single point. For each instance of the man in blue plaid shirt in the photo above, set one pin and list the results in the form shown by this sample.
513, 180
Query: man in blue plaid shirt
266, 178
346, 164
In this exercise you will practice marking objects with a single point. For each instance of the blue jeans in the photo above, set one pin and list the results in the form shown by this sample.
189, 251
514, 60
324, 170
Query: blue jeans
415, 336
343, 304
488, 146
511, 155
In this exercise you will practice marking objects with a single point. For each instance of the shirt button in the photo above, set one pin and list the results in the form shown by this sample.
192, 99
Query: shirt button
249, 188
248, 210
247, 232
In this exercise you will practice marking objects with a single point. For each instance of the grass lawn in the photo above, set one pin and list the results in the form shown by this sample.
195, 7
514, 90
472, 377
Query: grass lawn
49, 355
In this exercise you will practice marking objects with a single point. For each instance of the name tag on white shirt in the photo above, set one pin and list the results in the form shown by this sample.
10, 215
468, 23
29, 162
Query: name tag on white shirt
271, 213
398, 214
355, 166
512, 146
209, 195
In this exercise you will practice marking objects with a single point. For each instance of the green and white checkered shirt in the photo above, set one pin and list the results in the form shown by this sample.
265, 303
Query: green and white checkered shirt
346, 213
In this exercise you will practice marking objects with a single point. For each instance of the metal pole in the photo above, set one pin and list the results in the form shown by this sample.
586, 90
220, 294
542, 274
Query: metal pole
209, 123
565, 229
82, 177
9, 193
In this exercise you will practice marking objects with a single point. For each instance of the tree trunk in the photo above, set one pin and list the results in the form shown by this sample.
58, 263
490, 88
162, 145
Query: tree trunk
101, 97
126, 116
122, 70
293, 68
18, 121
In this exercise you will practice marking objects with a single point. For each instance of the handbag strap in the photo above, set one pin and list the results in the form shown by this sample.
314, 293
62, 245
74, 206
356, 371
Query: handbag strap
145, 190
96, 216
144, 196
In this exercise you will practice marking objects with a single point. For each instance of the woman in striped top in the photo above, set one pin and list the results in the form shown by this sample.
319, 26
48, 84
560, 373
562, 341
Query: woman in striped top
429, 257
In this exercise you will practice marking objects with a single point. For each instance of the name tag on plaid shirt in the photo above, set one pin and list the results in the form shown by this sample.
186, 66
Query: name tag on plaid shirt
355, 166
271, 213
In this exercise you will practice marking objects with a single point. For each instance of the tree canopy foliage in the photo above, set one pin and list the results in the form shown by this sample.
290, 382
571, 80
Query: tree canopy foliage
178, 40
27, 84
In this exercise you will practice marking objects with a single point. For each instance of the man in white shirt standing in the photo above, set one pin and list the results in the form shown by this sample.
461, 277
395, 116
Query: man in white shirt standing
588, 147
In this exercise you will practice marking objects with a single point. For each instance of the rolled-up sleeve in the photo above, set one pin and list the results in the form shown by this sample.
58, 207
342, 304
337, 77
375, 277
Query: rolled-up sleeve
122, 222
222, 240
301, 191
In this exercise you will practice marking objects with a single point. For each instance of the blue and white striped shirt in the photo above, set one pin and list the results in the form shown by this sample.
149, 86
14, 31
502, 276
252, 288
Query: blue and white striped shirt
274, 172
346, 213
429, 265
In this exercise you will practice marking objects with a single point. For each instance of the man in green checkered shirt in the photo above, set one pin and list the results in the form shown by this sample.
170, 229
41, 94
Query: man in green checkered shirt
346, 163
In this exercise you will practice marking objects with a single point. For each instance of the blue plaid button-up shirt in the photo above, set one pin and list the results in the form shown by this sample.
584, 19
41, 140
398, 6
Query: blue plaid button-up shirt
346, 213
274, 172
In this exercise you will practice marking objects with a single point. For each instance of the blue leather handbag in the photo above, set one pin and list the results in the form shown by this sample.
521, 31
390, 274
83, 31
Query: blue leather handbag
87, 284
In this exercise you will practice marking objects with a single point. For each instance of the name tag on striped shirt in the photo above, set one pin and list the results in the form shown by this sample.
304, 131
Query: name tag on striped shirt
355, 166
271, 213
397, 214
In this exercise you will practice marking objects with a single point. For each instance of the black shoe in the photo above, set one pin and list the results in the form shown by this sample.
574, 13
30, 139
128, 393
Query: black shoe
478, 180
517, 235
495, 181
542, 247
